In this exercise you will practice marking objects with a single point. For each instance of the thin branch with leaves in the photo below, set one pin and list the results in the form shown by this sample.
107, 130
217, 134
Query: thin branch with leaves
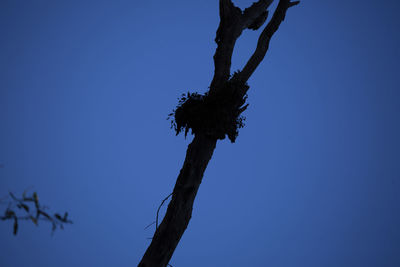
28, 208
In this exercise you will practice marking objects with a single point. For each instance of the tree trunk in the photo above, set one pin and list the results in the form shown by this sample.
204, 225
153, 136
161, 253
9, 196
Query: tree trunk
233, 21
179, 211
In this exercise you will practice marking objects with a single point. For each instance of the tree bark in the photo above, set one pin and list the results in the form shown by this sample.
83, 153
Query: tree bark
179, 211
232, 22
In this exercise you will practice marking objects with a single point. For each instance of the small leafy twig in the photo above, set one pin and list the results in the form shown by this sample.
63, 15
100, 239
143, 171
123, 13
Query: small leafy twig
33, 211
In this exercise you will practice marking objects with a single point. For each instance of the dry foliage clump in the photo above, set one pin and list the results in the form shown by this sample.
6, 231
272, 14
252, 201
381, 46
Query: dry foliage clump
215, 115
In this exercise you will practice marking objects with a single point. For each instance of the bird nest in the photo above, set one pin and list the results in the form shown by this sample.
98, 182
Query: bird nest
217, 115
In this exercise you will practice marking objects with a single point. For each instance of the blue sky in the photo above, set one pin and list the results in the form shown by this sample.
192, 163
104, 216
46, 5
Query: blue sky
312, 180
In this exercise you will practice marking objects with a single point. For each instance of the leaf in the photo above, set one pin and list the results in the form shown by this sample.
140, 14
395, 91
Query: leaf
58, 216
24, 194
34, 220
65, 216
35, 198
53, 228
23, 206
9, 213
12, 195
45, 214
15, 226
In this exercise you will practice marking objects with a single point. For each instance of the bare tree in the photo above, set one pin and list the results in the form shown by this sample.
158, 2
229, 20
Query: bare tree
212, 116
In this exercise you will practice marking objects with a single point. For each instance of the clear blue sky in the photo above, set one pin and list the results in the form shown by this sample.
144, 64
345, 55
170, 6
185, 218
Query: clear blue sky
312, 180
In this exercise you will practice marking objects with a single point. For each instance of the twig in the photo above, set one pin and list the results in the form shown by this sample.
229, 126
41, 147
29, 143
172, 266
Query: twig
158, 210
149, 225
35, 215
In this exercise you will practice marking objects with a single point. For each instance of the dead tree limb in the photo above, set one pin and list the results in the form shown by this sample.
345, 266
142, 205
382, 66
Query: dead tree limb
226, 90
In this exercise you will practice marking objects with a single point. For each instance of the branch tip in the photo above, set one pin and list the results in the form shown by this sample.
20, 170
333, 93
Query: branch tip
294, 3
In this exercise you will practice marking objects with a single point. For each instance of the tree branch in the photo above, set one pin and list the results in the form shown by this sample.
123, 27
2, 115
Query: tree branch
228, 31
255, 15
232, 22
264, 39
32, 215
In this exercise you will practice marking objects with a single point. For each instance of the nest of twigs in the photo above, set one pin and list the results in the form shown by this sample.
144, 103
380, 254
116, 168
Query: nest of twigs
217, 115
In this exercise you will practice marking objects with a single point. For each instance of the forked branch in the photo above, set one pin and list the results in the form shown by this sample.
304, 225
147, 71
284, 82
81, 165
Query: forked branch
264, 39
232, 22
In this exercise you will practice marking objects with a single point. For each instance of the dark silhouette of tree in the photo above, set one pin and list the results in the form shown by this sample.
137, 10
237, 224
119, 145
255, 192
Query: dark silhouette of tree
212, 116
